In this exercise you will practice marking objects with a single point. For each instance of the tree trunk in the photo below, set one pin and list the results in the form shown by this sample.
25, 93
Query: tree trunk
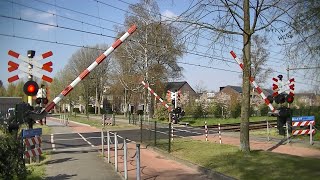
245, 110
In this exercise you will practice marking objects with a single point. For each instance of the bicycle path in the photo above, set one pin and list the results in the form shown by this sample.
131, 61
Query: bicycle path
76, 163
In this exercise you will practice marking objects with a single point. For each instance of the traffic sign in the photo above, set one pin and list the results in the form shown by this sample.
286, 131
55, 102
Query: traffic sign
27, 133
303, 118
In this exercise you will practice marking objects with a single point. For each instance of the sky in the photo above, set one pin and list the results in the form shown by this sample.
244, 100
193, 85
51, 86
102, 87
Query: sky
18, 33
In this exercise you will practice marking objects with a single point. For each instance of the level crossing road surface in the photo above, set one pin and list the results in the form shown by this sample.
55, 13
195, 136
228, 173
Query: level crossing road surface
72, 157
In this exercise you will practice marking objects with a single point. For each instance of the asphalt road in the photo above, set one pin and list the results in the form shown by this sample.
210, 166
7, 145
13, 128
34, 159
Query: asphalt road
68, 141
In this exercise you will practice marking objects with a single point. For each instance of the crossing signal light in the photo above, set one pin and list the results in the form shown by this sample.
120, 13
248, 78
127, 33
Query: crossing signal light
289, 99
30, 88
279, 99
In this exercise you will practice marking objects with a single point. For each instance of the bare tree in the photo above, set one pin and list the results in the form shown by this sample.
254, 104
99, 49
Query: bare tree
153, 50
228, 19
302, 41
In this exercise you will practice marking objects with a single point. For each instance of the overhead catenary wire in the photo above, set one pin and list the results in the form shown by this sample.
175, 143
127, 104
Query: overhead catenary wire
100, 34
99, 18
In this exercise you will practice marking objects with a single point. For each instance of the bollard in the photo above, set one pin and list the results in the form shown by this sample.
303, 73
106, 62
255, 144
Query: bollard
125, 159
220, 141
108, 144
138, 161
116, 152
102, 142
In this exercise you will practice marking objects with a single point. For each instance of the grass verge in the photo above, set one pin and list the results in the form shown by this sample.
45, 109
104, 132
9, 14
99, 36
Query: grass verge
230, 161
37, 171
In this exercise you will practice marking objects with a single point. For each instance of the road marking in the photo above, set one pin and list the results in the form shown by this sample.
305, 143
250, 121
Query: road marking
68, 139
52, 143
86, 140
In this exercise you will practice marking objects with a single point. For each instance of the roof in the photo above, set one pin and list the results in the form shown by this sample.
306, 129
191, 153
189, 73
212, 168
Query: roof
172, 86
239, 89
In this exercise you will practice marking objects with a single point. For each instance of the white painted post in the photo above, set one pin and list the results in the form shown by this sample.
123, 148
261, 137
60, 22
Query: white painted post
116, 152
102, 142
138, 161
206, 130
220, 141
125, 159
108, 143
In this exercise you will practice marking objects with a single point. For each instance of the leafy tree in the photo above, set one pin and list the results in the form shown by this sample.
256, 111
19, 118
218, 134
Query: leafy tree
2, 89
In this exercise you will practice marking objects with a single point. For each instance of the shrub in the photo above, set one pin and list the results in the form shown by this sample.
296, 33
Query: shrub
161, 113
11, 160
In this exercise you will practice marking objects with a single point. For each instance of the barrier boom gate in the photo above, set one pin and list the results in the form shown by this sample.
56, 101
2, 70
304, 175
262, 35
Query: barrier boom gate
253, 82
87, 71
157, 96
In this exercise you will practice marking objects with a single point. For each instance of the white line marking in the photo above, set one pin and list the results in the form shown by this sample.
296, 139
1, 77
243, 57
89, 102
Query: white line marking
52, 143
86, 140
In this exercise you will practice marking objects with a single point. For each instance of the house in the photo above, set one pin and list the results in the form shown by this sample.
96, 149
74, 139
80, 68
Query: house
182, 87
235, 92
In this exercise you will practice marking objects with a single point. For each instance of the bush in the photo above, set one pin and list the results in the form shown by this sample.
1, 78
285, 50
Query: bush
236, 110
11, 160
161, 113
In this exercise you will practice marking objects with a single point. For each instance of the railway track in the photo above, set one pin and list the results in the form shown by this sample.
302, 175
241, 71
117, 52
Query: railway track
235, 127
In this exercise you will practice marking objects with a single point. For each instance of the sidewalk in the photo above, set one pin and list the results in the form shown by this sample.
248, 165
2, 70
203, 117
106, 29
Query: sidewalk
79, 164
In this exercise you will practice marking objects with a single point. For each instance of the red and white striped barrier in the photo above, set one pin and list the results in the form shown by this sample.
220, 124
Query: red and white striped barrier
87, 71
259, 90
157, 96
206, 130
303, 132
171, 131
303, 123
33, 152
32, 141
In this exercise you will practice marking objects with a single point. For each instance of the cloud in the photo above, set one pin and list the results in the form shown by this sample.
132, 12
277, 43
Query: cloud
43, 17
168, 15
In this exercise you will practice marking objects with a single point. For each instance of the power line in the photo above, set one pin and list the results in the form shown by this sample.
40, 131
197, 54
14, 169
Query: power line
209, 67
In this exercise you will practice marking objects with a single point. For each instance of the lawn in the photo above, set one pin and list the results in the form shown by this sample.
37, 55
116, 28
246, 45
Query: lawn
216, 121
230, 161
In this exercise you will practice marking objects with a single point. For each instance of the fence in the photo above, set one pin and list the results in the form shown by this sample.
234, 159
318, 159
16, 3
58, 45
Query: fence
122, 153
153, 133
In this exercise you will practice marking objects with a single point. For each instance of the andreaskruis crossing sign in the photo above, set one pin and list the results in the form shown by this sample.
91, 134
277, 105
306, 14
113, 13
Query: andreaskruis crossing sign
34, 70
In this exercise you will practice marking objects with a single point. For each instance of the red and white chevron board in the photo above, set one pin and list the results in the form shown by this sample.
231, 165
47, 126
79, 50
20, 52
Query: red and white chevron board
280, 87
302, 132
34, 60
303, 123
156, 95
253, 82
32, 141
13, 66
33, 152
87, 71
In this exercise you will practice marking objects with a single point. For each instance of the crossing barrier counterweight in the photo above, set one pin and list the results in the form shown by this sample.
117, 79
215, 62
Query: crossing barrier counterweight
87, 71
